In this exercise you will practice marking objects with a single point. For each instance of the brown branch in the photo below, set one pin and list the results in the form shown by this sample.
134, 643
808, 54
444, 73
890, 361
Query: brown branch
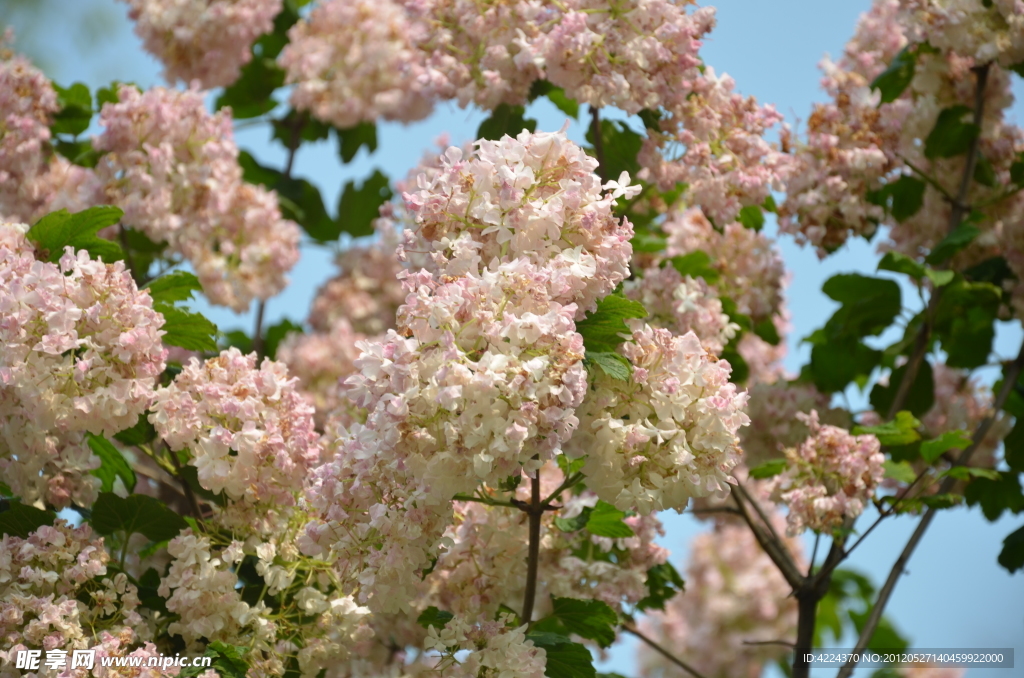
1010, 377
258, 344
534, 511
665, 653
772, 546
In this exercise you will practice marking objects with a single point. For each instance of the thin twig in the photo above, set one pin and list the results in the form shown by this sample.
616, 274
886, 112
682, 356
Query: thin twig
665, 653
536, 510
569, 482
774, 548
1009, 381
595, 131
193, 503
258, 344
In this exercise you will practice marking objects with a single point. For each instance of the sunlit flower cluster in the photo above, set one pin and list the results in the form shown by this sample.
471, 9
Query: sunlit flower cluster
356, 61
750, 268
632, 55
55, 592
683, 304
667, 434
173, 168
27, 104
829, 477
774, 424
713, 141
249, 433
204, 40
985, 30
81, 353
496, 648
535, 197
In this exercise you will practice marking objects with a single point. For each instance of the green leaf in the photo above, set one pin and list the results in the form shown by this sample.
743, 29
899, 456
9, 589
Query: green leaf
606, 521
238, 339
172, 287
1013, 446
902, 198
951, 136
555, 95
1012, 555
836, 363
612, 364
869, 305
648, 242
900, 471
767, 331
276, 333
434, 617
900, 431
565, 659
504, 120
295, 127
112, 464
590, 619
573, 524
228, 660
351, 139
951, 440
768, 469
984, 173
896, 78
1017, 170
620, 146
188, 330
570, 467
75, 112
941, 501
252, 94
996, 496
21, 520
663, 583
885, 638
959, 238
137, 513
79, 152
751, 217
61, 229
696, 264
601, 329
965, 322
358, 207
920, 397
139, 434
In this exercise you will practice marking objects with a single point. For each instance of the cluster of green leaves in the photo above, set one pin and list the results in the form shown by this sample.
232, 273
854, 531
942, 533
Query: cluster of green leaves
77, 107
846, 607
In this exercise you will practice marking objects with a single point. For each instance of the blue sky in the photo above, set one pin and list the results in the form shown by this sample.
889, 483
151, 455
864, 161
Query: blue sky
954, 594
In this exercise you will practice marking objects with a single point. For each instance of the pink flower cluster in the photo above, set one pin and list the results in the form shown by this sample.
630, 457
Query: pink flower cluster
855, 146
633, 55
734, 596
482, 567
829, 477
535, 197
683, 305
27, 105
985, 31
55, 592
774, 422
201, 589
751, 270
173, 168
366, 293
667, 434
355, 61
352, 62
489, 370
249, 432
496, 648
204, 40
713, 141
81, 353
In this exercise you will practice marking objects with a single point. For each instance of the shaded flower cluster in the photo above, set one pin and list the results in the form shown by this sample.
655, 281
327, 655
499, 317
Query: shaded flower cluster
81, 353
